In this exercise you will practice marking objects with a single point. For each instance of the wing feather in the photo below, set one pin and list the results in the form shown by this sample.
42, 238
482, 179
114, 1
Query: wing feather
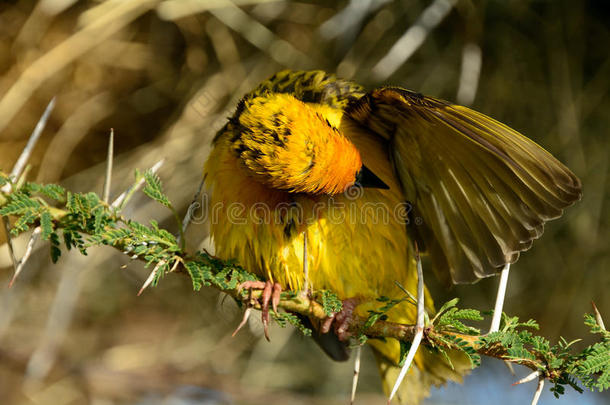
483, 190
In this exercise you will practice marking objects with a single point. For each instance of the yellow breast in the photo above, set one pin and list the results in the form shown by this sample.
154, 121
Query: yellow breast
357, 241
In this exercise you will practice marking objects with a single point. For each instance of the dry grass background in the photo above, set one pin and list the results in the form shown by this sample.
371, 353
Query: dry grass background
165, 74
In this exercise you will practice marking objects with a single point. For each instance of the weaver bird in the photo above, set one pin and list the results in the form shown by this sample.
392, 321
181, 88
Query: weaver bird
309, 159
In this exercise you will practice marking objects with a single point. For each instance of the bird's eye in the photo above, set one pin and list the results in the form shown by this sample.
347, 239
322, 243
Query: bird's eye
367, 179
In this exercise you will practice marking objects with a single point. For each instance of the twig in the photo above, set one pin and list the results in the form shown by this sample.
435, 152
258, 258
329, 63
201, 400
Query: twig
109, 161
359, 325
419, 327
26, 255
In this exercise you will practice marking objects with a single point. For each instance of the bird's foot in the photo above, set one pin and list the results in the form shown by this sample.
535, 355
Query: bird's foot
271, 293
342, 319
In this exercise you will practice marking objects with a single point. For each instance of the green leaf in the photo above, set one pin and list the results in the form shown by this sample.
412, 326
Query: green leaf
98, 220
451, 320
404, 350
46, 224
53, 191
282, 318
154, 189
200, 274
465, 347
449, 304
78, 204
20, 204
330, 302
55, 250
370, 321
519, 352
23, 222
160, 269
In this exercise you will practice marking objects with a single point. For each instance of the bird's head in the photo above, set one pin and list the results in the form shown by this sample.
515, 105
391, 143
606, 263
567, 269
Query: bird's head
292, 146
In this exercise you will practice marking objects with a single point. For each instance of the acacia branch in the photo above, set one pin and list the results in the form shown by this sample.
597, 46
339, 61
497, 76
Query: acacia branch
104, 224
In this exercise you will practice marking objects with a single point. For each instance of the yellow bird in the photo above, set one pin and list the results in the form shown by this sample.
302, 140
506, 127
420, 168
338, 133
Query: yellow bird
362, 176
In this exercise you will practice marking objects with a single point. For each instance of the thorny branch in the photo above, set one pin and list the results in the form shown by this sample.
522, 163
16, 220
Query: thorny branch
225, 277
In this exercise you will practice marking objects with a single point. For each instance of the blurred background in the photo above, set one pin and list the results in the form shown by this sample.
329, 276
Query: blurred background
166, 74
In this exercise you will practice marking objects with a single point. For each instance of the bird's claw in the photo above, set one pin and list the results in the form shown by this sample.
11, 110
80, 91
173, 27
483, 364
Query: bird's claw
341, 320
271, 293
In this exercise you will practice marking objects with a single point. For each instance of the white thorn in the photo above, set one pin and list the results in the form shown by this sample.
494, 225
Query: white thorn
356, 374
120, 199
510, 367
175, 266
598, 316
109, 161
29, 147
151, 277
538, 391
305, 265
26, 255
495, 320
528, 378
419, 327
189, 212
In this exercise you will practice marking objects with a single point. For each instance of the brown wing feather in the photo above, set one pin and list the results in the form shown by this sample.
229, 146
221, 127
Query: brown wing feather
483, 190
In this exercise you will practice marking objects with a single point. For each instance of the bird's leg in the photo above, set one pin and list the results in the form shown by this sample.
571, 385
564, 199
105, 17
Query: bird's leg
495, 320
342, 319
271, 293
419, 327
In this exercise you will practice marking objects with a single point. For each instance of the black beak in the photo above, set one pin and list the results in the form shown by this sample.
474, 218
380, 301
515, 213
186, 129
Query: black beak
367, 179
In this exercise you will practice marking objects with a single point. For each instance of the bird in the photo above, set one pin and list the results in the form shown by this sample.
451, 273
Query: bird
364, 180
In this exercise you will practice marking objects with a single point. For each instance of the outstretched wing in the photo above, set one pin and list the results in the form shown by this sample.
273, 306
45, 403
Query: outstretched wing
483, 190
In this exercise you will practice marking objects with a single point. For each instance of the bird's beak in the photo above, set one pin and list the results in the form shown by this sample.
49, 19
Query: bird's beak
367, 179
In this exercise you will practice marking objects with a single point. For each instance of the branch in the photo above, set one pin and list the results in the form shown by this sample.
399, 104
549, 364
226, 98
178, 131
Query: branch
86, 220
